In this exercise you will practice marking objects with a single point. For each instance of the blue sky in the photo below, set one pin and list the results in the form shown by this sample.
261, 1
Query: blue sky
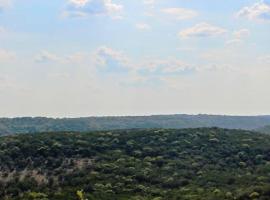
70, 58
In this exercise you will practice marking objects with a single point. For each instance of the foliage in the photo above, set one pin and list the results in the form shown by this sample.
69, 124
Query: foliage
265, 129
186, 164
80, 195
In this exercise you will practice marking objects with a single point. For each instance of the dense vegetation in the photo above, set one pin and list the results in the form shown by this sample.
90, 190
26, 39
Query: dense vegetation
39, 124
187, 164
265, 129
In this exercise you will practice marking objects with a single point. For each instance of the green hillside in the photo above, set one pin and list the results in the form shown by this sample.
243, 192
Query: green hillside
188, 164
265, 129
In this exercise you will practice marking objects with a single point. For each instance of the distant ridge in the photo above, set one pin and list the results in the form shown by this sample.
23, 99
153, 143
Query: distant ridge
42, 124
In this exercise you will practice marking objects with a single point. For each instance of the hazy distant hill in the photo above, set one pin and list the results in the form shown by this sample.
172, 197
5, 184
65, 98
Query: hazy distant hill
33, 125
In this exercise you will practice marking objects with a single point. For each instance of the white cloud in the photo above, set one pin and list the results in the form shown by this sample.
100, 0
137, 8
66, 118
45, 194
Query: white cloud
46, 56
149, 2
258, 11
180, 13
166, 66
143, 26
113, 61
79, 3
238, 37
109, 58
4, 4
202, 30
236, 59
241, 33
86, 8
78, 57
234, 42
6, 55
116, 64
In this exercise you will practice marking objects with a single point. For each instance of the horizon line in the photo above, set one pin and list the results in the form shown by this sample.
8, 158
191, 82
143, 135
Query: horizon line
139, 115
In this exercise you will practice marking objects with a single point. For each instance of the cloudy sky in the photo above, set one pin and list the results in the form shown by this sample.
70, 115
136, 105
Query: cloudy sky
69, 58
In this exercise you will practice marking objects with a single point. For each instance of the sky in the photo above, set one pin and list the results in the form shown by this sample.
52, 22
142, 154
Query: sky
76, 58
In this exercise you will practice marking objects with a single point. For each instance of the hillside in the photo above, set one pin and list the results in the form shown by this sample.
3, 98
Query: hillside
187, 164
265, 129
34, 125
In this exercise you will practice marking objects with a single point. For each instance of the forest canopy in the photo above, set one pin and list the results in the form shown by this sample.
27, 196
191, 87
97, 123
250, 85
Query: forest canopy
154, 164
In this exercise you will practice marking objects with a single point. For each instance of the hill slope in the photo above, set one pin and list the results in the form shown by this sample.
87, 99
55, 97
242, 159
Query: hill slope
265, 129
34, 125
188, 164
